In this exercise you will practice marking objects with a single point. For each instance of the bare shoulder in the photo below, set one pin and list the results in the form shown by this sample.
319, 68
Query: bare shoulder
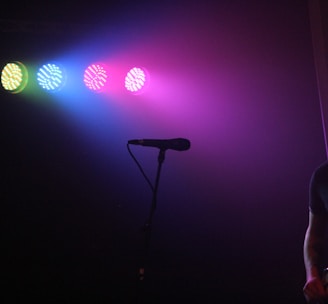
318, 220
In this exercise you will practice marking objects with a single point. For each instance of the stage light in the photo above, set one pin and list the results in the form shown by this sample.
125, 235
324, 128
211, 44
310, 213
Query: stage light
95, 77
136, 80
14, 77
51, 77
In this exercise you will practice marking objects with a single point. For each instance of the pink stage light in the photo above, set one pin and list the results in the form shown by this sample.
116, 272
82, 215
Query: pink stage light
95, 77
136, 80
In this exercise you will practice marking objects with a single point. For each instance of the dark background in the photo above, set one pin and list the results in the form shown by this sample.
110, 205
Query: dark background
237, 78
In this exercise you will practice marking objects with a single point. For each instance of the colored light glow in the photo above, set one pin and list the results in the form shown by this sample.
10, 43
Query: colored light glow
95, 77
51, 77
135, 80
14, 77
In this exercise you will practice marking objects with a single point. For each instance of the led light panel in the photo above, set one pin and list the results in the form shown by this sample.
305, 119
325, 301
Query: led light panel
135, 80
95, 77
51, 77
14, 77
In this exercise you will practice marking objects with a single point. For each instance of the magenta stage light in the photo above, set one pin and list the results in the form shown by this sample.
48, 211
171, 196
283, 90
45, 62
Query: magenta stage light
136, 80
95, 77
51, 77
14, 77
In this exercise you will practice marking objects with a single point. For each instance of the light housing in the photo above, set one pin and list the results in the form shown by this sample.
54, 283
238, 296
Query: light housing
136, 80
95, 77
14, 77
51, 77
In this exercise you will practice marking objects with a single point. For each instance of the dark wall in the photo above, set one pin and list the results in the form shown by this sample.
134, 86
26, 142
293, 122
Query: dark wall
237, 78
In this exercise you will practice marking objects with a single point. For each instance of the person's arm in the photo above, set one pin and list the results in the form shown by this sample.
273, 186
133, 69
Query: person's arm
313, 250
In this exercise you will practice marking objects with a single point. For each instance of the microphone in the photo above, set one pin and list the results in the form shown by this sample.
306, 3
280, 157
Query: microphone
178, 144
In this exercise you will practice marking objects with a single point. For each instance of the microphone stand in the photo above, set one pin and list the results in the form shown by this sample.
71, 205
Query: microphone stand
148, 227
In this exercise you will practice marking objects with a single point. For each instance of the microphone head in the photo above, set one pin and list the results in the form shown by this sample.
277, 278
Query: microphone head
179, 144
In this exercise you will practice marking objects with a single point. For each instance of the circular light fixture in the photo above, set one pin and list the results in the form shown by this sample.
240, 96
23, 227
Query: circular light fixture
95, 77
136, 80
14, 77
51, 77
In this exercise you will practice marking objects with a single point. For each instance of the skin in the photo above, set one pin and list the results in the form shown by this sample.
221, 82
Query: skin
314, 244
